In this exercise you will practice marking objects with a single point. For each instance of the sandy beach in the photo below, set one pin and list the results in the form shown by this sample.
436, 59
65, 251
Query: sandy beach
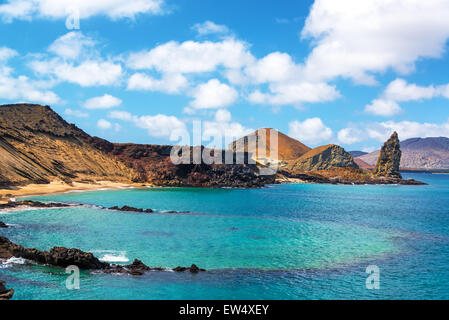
61, 187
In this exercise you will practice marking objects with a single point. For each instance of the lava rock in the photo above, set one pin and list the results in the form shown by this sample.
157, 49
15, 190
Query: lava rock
5, 294
389, 158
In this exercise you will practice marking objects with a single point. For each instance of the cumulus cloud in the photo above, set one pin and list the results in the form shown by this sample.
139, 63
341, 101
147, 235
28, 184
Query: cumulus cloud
222, 115
229, 131
312, 131
275, 67
104, 124
121, 115
400, 90
192, 56
75, 60
76, 113
87, 73
170, 83
104, 102
383, 107
71, 45
24, 89
60, 9
160, 125
209, 27
354, 39
213, 94
350, 135
407, 129
295, 94
7, 53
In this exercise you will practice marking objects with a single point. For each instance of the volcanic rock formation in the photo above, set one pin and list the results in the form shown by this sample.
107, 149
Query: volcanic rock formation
5, 294
322, 158
389, 158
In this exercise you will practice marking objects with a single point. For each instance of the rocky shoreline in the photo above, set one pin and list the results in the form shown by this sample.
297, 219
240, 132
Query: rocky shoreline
64, 257
346, 176
5, 294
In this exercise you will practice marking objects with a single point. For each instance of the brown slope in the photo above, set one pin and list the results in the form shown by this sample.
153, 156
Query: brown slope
322, 158
38, 146
153, 164
287, 148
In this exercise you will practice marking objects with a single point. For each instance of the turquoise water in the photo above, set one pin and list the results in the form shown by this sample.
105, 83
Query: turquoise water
295, 241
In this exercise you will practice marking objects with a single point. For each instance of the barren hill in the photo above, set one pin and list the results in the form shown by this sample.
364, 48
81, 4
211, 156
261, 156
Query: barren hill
255, 143
322, 158
38, 146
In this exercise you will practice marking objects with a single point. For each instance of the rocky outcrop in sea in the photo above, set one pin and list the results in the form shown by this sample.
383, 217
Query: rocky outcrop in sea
389, 158
64, 257
5, 294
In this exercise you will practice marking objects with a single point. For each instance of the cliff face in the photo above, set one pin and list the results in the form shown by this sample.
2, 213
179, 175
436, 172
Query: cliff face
152, 164
322, 158
287, 148
389, 159
38, 146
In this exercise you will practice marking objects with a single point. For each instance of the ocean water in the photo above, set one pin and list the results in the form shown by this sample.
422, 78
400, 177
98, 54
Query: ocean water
291, 241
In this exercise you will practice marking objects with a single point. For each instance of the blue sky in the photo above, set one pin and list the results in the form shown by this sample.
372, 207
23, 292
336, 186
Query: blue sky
322, 71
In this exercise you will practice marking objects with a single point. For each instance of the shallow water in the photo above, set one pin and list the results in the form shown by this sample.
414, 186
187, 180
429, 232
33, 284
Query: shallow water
296, 241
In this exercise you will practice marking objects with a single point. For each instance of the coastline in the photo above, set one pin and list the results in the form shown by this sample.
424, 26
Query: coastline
56, 187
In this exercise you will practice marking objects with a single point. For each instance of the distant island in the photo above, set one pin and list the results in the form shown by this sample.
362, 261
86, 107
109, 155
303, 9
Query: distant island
42, 153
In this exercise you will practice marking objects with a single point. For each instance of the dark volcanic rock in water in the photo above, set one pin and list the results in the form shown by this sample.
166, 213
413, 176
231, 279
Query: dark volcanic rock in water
389, 158
64, 257
5, 294
3, 225
58, 256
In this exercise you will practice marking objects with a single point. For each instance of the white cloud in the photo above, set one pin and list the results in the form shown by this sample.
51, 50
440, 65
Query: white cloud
310, 131
356, 38
104, 124
71, 45
400, 90
407, 129
275, 67
229, 131
104, 102
87, 73
295, 94
121, 115
76, 113
7, 53
60, 9
192, 57
209, 27
382, 107
213, 94
160, 125
350, 136
222, 115
24, 89
170, 83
